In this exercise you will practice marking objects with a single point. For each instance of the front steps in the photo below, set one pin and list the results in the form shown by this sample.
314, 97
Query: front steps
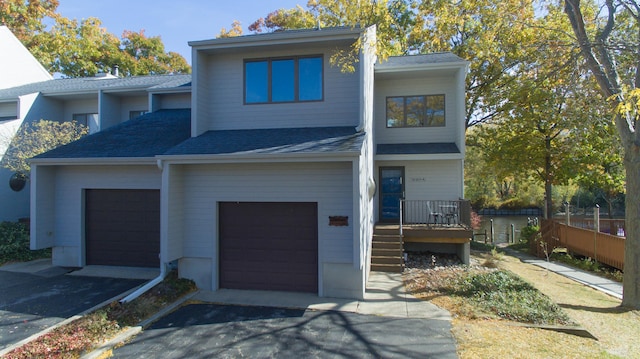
386, 251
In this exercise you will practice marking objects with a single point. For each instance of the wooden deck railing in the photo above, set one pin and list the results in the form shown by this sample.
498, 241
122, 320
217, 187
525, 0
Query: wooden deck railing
602, 247
435, 213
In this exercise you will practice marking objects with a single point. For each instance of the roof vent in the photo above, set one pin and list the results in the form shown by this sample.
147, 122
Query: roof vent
115, 71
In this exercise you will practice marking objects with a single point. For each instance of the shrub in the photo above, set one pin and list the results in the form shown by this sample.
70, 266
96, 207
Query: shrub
14, 244
527, 233
506, 295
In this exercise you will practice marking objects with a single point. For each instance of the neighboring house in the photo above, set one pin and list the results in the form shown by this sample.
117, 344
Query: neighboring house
269, 180
97, 102
17, 67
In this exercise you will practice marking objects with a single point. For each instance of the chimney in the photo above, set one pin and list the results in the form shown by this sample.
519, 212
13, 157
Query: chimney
115, 71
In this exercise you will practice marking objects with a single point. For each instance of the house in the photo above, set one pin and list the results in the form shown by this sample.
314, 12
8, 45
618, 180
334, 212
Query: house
17, 67
277, 174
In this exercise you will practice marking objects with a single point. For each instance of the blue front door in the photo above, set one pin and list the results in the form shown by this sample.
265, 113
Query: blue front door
391, 192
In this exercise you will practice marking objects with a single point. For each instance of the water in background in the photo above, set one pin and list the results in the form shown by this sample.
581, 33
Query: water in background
501, 228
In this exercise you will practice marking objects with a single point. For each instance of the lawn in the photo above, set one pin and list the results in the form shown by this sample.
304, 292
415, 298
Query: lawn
501, 305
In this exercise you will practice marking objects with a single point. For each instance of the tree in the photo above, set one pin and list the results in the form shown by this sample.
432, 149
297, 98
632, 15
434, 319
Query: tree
81, 49
84, 48
609, 45
38, 137
236, 30
24, 17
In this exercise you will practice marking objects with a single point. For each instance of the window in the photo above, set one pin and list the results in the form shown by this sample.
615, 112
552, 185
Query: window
86, 118
294, 79
136, 114
415, 111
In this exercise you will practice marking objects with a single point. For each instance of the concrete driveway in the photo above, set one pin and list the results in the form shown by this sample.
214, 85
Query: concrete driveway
231, 331
33, 300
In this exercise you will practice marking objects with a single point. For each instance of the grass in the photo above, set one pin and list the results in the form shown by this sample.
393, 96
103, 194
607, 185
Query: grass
486, 303
82, 335
14, 244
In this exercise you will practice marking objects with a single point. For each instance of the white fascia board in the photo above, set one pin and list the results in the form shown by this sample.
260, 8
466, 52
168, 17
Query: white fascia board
278, 38
424, 67
420, 157
94, 161
239, 158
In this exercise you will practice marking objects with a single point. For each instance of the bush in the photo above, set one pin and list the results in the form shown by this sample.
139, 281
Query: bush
507, 296
528, 233
14, 244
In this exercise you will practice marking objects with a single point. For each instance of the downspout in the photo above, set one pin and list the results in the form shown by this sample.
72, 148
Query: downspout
152, 283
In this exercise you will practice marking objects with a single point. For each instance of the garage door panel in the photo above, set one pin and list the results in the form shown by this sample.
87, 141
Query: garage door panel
268, 246
122, 227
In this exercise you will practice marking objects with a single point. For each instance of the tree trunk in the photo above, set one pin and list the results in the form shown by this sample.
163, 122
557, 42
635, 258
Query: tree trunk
548, 179
631, 297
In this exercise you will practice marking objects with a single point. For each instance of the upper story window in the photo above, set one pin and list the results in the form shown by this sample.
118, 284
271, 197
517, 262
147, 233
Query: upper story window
415, 111
85, 118
294, 79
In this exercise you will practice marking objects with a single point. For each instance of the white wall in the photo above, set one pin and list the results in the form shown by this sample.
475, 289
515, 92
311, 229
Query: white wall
17, 65
328, 184
67, 228
419, 86
220, 100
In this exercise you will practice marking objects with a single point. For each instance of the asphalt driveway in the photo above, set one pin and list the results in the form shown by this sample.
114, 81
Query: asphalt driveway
231, 331
31, 302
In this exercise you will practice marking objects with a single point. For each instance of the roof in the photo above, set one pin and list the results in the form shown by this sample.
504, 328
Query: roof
273, 141
90, 84
410, 61
279, 37
416, 148
146, 136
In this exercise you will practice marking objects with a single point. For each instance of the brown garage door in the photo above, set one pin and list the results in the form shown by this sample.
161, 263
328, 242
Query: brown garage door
269, 246
122, 227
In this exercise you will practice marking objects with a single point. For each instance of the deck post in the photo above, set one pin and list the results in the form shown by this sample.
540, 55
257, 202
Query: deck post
401, 205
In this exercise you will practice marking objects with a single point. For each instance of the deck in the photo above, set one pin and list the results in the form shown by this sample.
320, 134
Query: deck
423, 233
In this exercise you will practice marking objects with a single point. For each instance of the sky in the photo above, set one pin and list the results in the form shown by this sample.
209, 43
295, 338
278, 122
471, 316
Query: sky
176, 21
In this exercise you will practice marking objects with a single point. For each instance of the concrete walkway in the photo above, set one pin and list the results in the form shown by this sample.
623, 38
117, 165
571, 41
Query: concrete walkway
604, 285
385, 296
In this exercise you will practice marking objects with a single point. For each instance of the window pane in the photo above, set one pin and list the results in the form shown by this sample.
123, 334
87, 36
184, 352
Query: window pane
256, 82
415, 111
435, 111
310, 79
282, 81
395, 111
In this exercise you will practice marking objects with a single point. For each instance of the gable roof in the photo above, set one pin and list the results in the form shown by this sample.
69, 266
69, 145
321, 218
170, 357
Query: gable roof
144, 137
94, 84
416, 148
322, 140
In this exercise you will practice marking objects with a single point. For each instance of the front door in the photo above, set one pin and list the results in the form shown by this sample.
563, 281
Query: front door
391, 192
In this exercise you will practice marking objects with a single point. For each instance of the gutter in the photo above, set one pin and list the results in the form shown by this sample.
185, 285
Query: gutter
152, 283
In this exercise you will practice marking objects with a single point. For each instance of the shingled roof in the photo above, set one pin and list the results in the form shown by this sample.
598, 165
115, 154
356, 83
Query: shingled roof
273, 141
93, 84
144, 137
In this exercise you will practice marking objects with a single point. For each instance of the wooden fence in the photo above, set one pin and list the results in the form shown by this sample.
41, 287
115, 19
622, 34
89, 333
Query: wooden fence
602, 247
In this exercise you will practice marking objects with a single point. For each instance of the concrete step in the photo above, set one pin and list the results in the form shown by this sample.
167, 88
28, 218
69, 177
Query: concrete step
390, 268
386, 260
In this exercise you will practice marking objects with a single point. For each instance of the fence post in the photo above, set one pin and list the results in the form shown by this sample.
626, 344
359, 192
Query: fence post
491, 230
596, 225
568, 214
513, 233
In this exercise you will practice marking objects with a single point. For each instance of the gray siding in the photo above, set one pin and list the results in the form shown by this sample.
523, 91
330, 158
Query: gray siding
223, 96
67, 208
329, 184
428, 180
408, 87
